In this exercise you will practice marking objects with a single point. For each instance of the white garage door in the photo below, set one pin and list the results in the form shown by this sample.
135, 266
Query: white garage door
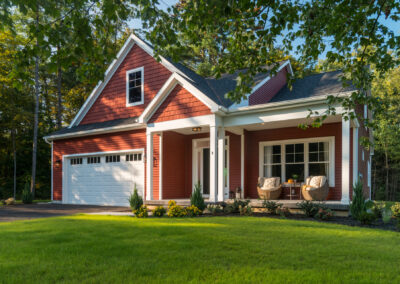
104, 179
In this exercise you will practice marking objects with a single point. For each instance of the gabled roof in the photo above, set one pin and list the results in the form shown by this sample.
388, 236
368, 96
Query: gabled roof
327, 83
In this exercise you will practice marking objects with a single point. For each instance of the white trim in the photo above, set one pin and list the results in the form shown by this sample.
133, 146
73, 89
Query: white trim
195, 161
64, 166
181, 123
160, 167
228, 167
345, 161
141, 69
149, 166
242, 164
221, 161
355, 155
52, 165
329, 139
370, 177
213, 162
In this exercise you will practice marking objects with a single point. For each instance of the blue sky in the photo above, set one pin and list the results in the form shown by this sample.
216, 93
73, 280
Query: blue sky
392, 25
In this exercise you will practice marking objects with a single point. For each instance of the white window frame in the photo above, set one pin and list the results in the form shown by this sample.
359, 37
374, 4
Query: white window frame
141, 69
282, 143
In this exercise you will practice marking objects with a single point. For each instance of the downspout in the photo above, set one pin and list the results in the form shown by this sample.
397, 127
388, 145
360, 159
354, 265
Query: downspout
50, 143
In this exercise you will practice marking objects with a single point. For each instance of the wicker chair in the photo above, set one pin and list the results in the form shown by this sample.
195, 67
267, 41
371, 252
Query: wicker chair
311, 191
271, 192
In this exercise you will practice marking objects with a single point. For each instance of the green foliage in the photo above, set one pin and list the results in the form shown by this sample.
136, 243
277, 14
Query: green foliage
176, 211
135, 200
142, 212
357, 206
283, 212
376, 207
396, 210
366, 218
386, 215
27, 197
159, 211
271, 206
196, 199
192, 211
324, 213
245, 210
215, 209
309, 208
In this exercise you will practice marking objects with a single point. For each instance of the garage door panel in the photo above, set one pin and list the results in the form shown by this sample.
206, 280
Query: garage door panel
104, 183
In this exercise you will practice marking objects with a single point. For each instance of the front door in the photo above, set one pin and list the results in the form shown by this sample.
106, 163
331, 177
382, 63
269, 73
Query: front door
206, 171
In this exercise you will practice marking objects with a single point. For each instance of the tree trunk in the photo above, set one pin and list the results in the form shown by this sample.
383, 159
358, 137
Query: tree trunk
387, 176
36, 115
15, 162
59, 95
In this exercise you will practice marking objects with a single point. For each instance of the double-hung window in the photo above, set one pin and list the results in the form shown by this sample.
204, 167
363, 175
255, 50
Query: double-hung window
134, 87
298, 159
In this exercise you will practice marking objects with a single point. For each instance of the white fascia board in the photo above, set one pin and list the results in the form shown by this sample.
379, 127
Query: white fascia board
245, 102
135, 150
204, 120
95, 131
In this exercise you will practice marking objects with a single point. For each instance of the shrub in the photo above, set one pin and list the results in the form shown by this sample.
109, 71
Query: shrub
159, 211
271, 206
376, 207
357, 206
309, 208
9, 201
396, 210
196, 199
192, 211
171, 203
215, 209
366, 218
176, 211
283, 212
142, 212
386, 215
27, 196
235, 205
135, 200
324, 213
245, 210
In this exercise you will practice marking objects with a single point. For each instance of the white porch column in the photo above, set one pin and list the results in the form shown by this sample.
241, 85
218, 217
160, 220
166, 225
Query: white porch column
221, 159
242, 164
345, 161
149, 166
213, 161
160, 167
355, 155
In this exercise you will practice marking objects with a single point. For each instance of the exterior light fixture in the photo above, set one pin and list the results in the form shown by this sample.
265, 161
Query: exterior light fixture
58, 163
196, 129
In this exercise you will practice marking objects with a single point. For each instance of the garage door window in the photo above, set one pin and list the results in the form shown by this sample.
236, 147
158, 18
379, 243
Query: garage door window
133, 157
112, 159
93, 160
76, 161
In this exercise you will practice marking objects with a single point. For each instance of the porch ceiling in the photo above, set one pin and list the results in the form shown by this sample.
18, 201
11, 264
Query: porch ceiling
189, 130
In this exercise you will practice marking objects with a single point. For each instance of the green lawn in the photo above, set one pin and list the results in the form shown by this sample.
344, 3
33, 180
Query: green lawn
87, 249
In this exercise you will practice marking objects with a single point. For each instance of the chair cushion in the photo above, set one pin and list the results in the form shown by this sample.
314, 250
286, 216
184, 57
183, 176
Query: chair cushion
269, 183
317, 181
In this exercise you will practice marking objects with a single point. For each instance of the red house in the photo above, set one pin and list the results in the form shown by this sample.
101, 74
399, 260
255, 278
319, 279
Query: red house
163, 128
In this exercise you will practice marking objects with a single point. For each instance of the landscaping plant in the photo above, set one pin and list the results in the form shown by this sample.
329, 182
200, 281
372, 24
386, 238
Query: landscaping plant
159, 211
396, 210
357, 206
135, 200
215, 209
271, 206
245, 210
192, 211
175, 210
309, 208
27, 197
142, 212
324, 213
386, 215
377, 207
366, 218
196, 199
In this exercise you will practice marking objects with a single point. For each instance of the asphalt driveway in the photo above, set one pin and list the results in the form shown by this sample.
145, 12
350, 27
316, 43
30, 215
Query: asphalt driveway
33, 211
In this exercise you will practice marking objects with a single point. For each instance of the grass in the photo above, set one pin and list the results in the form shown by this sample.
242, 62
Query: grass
106, 249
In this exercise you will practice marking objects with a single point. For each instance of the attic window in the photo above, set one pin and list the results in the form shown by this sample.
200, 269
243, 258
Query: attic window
134, 87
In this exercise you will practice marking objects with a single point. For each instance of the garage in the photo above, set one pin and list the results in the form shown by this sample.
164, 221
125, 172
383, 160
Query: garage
103, 179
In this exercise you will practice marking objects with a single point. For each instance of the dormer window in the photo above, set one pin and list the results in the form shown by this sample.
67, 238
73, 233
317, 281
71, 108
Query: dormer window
134, 87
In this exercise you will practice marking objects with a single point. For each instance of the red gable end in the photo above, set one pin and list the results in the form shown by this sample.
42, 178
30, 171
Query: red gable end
111, 104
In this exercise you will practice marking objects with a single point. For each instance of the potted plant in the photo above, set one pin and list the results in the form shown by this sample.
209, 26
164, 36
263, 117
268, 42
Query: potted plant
295, 177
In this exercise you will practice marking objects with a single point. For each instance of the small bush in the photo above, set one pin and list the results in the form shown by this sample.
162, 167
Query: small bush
159, 211
215, 209
245, 210
324, 214
171, 203
142, 212
309, 208
135, 200
283, 212
357, 206
271, 206
27, 196
396, 210
196, 199
376, 207
192, 211
386, 215
176, 211
366, 218
237, 203
9, 201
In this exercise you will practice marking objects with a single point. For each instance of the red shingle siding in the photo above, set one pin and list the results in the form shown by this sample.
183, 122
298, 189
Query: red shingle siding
111, 104
234, 161
101, 143
267, 91
252, 139
179, 104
